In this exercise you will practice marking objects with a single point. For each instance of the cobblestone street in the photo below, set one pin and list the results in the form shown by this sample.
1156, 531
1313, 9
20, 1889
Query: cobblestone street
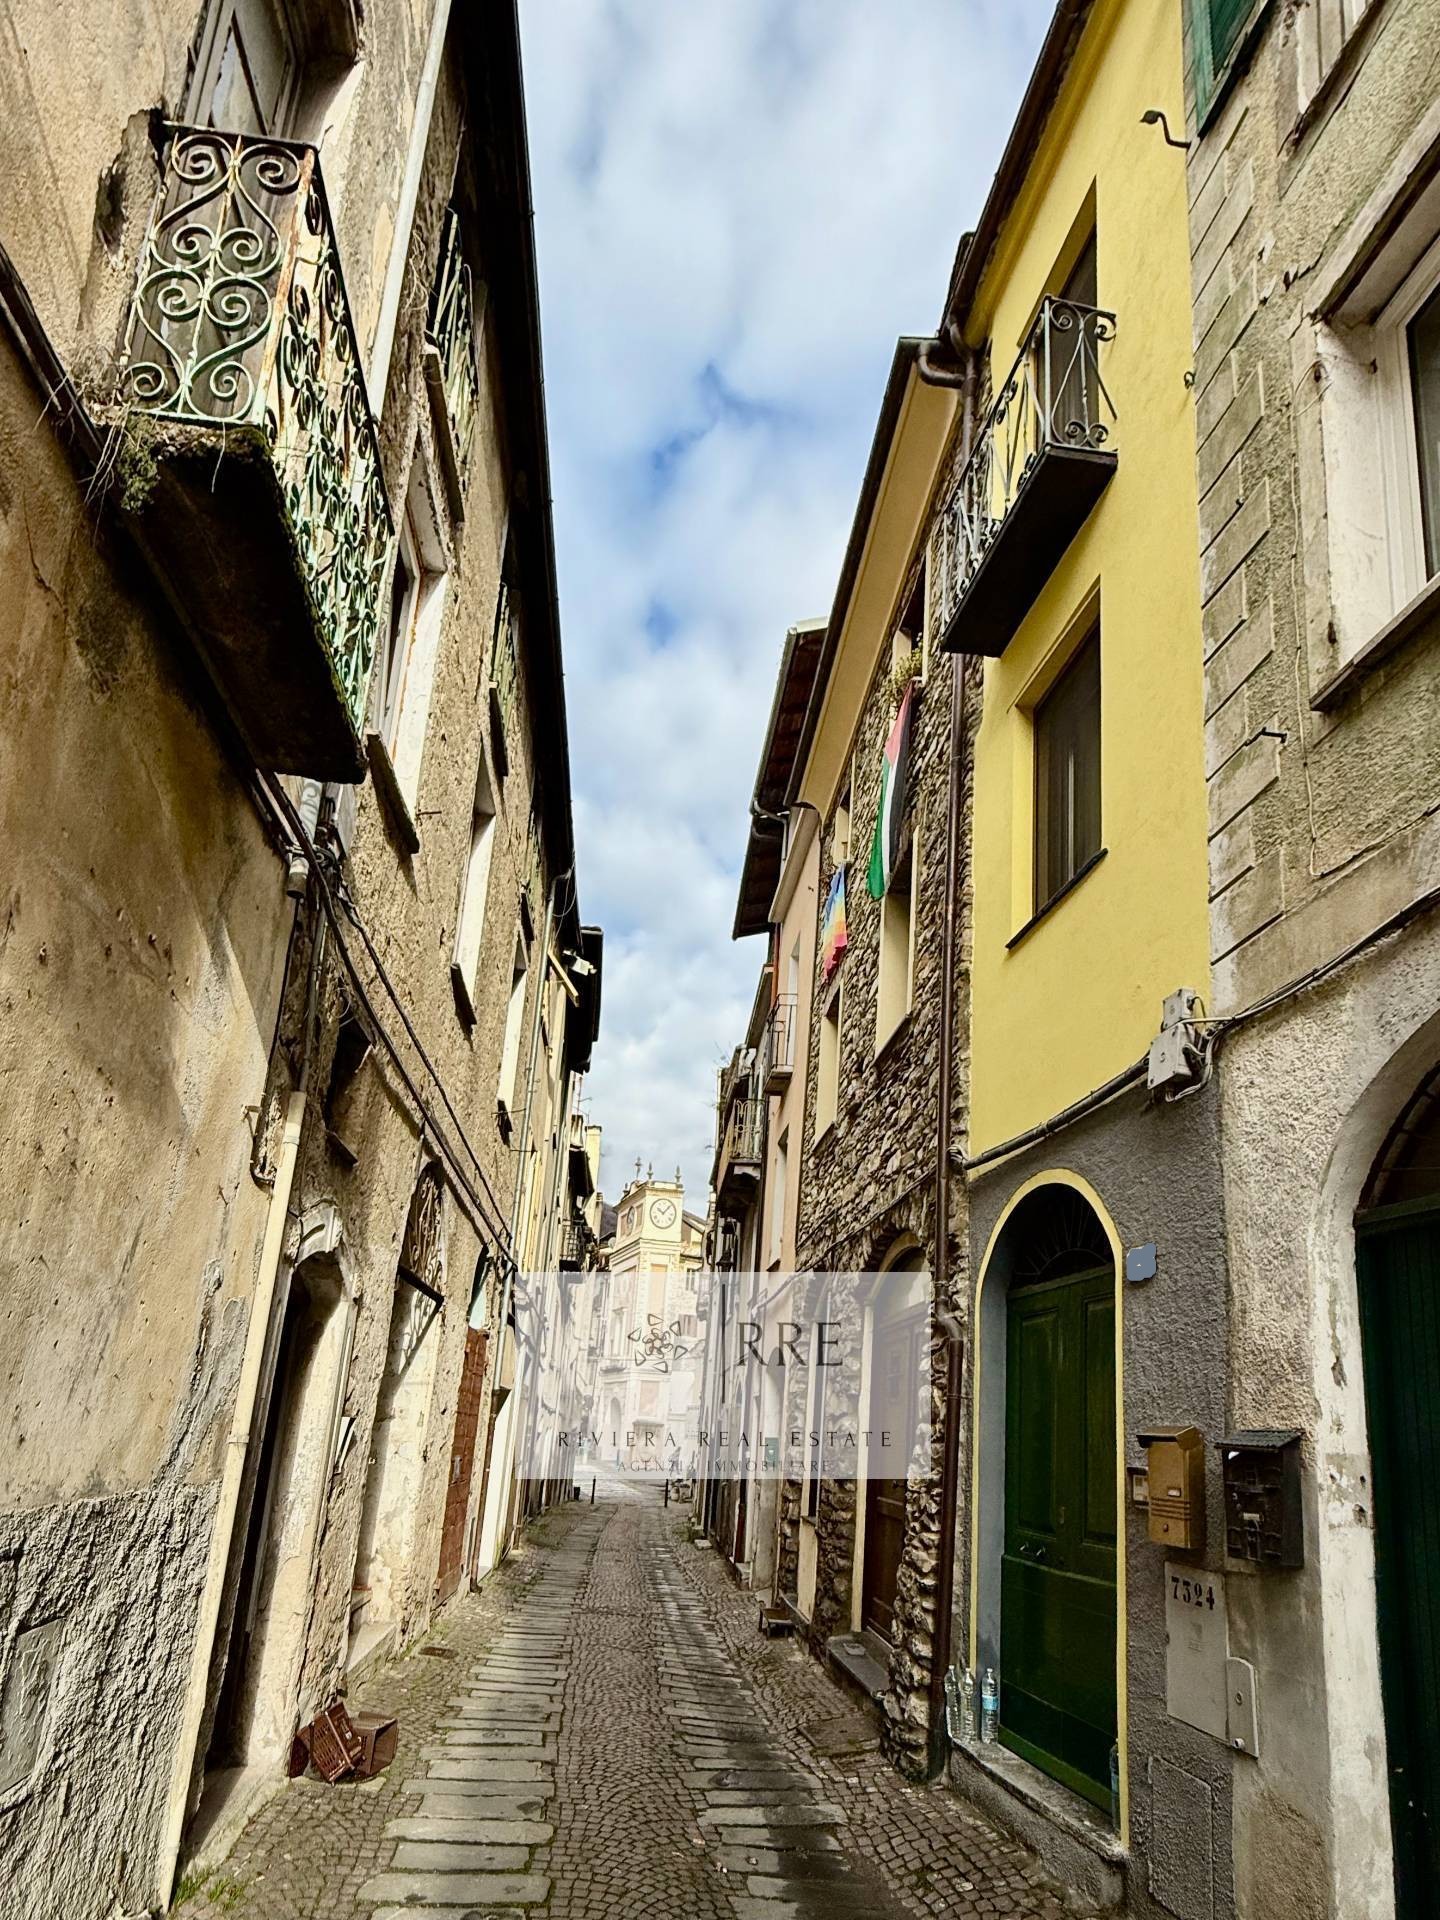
601, 1734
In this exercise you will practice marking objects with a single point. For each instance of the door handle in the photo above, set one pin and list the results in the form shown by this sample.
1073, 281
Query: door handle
1039, 1554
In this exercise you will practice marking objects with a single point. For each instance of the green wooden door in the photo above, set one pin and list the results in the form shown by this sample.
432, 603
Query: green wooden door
1057, 1590
1398, 1257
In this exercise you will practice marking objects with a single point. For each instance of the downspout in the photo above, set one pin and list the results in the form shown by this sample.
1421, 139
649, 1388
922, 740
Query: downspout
384, 342
242, 1437
945, 1318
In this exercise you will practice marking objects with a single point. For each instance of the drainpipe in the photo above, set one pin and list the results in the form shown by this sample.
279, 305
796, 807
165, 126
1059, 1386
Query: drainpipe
384, 342
945, 1319
243, 1433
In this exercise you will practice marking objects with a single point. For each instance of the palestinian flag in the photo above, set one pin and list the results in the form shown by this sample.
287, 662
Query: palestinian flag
890, 814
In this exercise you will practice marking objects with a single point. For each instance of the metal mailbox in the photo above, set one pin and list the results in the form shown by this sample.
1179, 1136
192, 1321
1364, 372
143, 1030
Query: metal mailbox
1176, 1475
1263, 1520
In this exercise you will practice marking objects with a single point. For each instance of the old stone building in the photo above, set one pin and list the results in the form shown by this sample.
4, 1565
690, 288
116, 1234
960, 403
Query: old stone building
848, 1127
1314, 180
294, 984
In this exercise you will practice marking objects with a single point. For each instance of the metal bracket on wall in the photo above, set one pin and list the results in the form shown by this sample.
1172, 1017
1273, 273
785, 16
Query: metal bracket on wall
1243, 1710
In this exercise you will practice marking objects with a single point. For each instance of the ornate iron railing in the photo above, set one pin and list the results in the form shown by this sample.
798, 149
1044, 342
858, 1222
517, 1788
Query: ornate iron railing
744, 1127
452, 333
1054, 397
241, 322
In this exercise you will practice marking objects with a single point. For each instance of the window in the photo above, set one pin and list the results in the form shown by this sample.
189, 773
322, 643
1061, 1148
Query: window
779, 1183
827, 1071
248, 71
840, 829
1074, 354
470, 925
1409, 341
514, 1020
1067, 774
406, 670
1423, 341
1217, 26
894, 986
909, 645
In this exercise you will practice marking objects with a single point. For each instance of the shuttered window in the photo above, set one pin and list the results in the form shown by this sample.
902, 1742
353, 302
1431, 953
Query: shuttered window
1067, 775
1226, 19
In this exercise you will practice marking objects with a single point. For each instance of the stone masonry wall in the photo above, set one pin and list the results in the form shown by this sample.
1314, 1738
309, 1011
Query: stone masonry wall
869, 1184
1319, 818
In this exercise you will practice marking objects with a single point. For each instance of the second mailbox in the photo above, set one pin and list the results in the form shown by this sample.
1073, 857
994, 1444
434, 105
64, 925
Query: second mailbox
1176, 1477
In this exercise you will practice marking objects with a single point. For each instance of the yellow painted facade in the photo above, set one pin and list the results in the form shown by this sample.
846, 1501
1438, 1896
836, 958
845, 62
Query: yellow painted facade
1078, 997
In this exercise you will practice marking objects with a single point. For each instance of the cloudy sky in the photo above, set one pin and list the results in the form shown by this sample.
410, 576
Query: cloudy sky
740, 205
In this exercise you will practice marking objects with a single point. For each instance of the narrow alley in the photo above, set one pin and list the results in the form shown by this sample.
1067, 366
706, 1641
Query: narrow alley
601, 1734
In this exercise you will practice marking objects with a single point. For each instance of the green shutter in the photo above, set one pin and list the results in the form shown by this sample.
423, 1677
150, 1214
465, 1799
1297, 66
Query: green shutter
1226, 19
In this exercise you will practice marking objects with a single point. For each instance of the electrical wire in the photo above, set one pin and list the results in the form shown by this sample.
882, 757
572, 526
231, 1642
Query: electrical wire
488, 1227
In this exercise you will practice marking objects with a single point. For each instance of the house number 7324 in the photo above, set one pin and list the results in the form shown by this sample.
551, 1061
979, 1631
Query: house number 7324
1192, 1593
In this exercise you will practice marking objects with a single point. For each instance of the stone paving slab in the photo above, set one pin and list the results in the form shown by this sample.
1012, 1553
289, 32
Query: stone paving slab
517, 1833
614, 1741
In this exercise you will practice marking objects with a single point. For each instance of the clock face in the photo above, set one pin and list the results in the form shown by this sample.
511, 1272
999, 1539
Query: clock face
662, 1214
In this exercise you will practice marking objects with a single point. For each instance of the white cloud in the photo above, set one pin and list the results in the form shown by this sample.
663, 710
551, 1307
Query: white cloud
739, 207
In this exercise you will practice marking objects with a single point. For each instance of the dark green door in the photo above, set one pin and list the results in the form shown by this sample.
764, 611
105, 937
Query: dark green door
1398, 1257
1057, 1594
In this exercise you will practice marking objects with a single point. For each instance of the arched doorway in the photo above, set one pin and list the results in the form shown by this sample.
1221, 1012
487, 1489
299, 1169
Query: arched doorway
255, 1713
1397, 1261
1046, 1569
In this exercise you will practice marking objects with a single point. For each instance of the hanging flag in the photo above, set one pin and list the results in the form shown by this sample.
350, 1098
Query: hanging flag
834, 938
890, 814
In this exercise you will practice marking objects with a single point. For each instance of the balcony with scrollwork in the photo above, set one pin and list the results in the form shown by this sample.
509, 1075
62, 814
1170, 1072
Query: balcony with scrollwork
452, 362
1040, 460
241, 374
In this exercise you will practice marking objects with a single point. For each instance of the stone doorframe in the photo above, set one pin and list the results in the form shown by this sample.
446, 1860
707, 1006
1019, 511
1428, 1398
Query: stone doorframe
320, 1264
990, 1323
905, 1248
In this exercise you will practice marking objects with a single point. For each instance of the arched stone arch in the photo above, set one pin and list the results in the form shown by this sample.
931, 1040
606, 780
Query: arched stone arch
1053, 1233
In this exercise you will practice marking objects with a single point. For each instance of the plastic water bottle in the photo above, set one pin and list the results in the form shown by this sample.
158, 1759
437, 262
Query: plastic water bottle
989, 1706
967, 1705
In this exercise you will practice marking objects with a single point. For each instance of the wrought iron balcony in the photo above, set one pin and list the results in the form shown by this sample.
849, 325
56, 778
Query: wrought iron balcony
577, 1244
1041, 458
741, 1149
780, 1043
270, 510
452, 366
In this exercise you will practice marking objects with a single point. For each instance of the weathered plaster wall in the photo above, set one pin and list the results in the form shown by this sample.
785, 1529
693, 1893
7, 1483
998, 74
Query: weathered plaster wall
1309, 1095
144, 935
410, 901
1322, 825
1156, 1170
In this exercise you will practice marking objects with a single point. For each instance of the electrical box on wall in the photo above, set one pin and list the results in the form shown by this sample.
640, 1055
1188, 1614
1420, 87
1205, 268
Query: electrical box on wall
1176, 1487
1264, 1524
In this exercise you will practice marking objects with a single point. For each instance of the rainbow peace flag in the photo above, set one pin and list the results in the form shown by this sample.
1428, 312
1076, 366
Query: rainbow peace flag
834, 937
